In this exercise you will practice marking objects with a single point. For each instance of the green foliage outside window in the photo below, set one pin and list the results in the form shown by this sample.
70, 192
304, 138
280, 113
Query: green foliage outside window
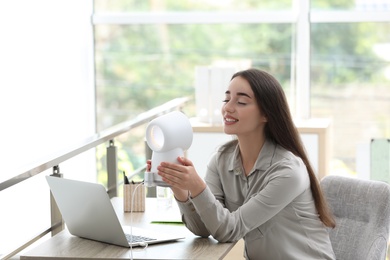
141, 66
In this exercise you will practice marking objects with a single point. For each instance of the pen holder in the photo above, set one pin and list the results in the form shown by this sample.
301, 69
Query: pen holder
139, 197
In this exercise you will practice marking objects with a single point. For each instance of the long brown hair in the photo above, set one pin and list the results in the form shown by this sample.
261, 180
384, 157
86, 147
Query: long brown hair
280, 129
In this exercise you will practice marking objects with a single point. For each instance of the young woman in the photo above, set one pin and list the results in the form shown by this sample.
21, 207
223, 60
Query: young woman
260, 186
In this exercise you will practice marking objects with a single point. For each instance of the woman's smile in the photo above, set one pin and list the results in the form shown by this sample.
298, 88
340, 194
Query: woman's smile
230, 120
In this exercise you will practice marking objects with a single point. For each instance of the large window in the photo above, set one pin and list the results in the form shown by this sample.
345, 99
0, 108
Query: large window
350, 71
147, 53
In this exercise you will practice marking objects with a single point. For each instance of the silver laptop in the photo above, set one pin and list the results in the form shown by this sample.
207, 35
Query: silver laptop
88, 213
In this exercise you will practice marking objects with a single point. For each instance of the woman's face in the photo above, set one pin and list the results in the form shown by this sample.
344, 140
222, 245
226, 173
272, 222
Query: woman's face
241, 115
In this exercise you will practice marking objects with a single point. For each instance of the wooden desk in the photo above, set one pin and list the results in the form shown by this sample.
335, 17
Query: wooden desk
66, 246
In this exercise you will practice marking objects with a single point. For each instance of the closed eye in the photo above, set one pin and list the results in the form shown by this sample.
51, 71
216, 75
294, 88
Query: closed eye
238, 102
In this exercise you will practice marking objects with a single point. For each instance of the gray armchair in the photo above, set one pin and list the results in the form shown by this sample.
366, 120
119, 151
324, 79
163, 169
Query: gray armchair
362, 212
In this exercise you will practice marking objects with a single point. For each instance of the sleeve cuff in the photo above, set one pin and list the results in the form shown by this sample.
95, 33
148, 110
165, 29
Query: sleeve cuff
203, 201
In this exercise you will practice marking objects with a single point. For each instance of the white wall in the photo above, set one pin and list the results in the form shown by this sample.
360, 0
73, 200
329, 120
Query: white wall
46, 101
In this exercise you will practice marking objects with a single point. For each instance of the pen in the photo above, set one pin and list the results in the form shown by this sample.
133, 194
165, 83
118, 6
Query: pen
126, 180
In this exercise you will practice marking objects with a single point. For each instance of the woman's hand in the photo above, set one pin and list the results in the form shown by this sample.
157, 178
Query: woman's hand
148, 165
181, 177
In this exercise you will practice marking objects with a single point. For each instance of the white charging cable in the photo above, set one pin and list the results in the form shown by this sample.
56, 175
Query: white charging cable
131, 221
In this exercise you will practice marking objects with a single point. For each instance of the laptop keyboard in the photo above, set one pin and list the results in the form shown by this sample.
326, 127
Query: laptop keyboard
135, 239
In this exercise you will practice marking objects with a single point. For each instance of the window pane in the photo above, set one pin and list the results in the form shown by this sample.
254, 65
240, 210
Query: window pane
194, 5
351, 84
142, 66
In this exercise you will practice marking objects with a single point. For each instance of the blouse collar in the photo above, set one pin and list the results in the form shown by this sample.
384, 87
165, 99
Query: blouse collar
263, 161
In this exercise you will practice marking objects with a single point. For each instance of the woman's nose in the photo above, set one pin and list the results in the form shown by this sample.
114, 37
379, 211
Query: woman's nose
228, 107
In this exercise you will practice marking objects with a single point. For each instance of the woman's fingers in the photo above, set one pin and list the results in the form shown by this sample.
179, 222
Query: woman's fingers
184, 161
148, 165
